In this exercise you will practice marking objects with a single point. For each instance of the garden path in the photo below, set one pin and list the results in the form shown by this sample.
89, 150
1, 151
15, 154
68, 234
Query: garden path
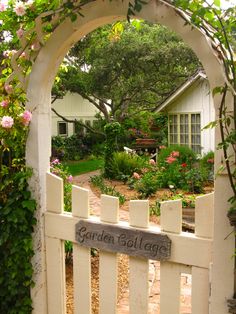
154, 266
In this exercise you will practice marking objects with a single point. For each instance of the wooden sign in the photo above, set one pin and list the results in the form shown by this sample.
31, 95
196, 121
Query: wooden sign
130, 241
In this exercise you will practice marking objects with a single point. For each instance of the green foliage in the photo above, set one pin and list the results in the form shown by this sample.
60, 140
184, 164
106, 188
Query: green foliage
111, 130
98, 181
123, 165
186, 155
147, 184
16, 248
77, 146
62, 171
207, 166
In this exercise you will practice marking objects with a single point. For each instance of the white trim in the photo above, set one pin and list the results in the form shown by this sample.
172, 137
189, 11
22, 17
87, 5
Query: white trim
181, 90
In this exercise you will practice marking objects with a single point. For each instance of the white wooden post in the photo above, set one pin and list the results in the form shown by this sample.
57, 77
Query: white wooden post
108, 270
171, 221
55, 256
81, 256
139, 268
200, 276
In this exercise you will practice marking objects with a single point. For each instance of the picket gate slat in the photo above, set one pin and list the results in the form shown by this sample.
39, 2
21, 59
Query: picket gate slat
171, 221
138, 268
108, 263
56, 292
190, 254
81, 256
55, 256
200, 290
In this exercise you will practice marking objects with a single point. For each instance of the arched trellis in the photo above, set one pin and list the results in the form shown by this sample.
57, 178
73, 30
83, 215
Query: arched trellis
46, 62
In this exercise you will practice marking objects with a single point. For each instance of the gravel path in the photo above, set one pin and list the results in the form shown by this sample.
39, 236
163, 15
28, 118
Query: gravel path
123, 291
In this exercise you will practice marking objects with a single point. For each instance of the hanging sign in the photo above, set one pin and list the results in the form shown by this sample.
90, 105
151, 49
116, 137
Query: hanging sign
126, 240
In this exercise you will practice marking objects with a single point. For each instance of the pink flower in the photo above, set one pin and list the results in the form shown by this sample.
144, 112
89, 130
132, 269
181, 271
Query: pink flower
7, 122
70, 179
9, 88
152, 162
170, 159
136, 175
55, 162
20, 8
162, 147
3, 5
175, 154
26, 117
4, 103
20, 33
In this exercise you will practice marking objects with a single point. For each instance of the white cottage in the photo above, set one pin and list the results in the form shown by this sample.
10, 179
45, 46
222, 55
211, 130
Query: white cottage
190, 108
71, 106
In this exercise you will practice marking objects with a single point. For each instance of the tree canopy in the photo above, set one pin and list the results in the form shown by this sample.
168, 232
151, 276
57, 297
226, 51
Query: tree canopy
126, 68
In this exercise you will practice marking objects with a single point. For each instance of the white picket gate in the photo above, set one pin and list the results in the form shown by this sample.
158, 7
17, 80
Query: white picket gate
190, 253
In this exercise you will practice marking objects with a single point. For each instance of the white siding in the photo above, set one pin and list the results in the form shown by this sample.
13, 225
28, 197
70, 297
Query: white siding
198, 99
72, 106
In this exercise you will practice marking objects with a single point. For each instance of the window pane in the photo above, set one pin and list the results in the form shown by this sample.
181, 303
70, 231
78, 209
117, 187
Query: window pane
62, 128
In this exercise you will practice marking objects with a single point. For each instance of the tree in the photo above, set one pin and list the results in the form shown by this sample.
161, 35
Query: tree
127, 69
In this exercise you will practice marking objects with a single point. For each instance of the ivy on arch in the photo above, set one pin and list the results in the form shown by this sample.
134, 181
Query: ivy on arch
28, 25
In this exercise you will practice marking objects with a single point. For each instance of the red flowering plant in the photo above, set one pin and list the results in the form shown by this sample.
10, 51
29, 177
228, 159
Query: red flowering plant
174, 162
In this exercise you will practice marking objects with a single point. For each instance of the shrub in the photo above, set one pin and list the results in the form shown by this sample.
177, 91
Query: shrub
175, 162
207, 165
186, 155
123, 165
61, 171
147, 184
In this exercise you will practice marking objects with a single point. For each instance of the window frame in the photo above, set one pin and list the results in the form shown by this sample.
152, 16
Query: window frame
58, 128
194, 146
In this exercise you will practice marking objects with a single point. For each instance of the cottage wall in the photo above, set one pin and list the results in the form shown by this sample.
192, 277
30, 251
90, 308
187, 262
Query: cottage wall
72, 106
198, 99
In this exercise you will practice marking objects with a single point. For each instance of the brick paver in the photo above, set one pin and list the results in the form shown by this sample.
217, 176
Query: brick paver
154, 266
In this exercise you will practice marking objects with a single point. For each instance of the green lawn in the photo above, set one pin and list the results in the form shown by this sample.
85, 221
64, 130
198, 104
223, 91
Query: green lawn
83, 166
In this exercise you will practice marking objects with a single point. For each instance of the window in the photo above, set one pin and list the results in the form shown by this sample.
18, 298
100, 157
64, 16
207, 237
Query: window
62, 128
185, 129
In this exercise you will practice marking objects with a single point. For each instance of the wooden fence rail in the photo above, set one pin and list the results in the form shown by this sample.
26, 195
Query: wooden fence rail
190, 253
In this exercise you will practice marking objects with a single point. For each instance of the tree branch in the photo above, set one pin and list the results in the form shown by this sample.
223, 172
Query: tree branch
78, 122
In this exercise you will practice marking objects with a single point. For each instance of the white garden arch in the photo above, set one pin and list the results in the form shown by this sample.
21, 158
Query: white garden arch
96, 14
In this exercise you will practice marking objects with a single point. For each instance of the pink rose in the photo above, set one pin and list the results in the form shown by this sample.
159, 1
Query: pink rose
162, 147
20, 8
175, 154
70, 179
9, 88
170, 159
26, 117
55, 162
136, 175
152, 162
7, 122
2, 7
4, 103
20, 33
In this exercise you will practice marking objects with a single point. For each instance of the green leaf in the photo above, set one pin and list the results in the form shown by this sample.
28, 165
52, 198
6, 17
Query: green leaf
30, 204
217, 3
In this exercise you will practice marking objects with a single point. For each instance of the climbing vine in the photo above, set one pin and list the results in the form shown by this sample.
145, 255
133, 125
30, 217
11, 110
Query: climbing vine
26, 27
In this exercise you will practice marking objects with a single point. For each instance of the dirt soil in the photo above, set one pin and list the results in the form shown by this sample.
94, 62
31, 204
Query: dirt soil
122, 282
